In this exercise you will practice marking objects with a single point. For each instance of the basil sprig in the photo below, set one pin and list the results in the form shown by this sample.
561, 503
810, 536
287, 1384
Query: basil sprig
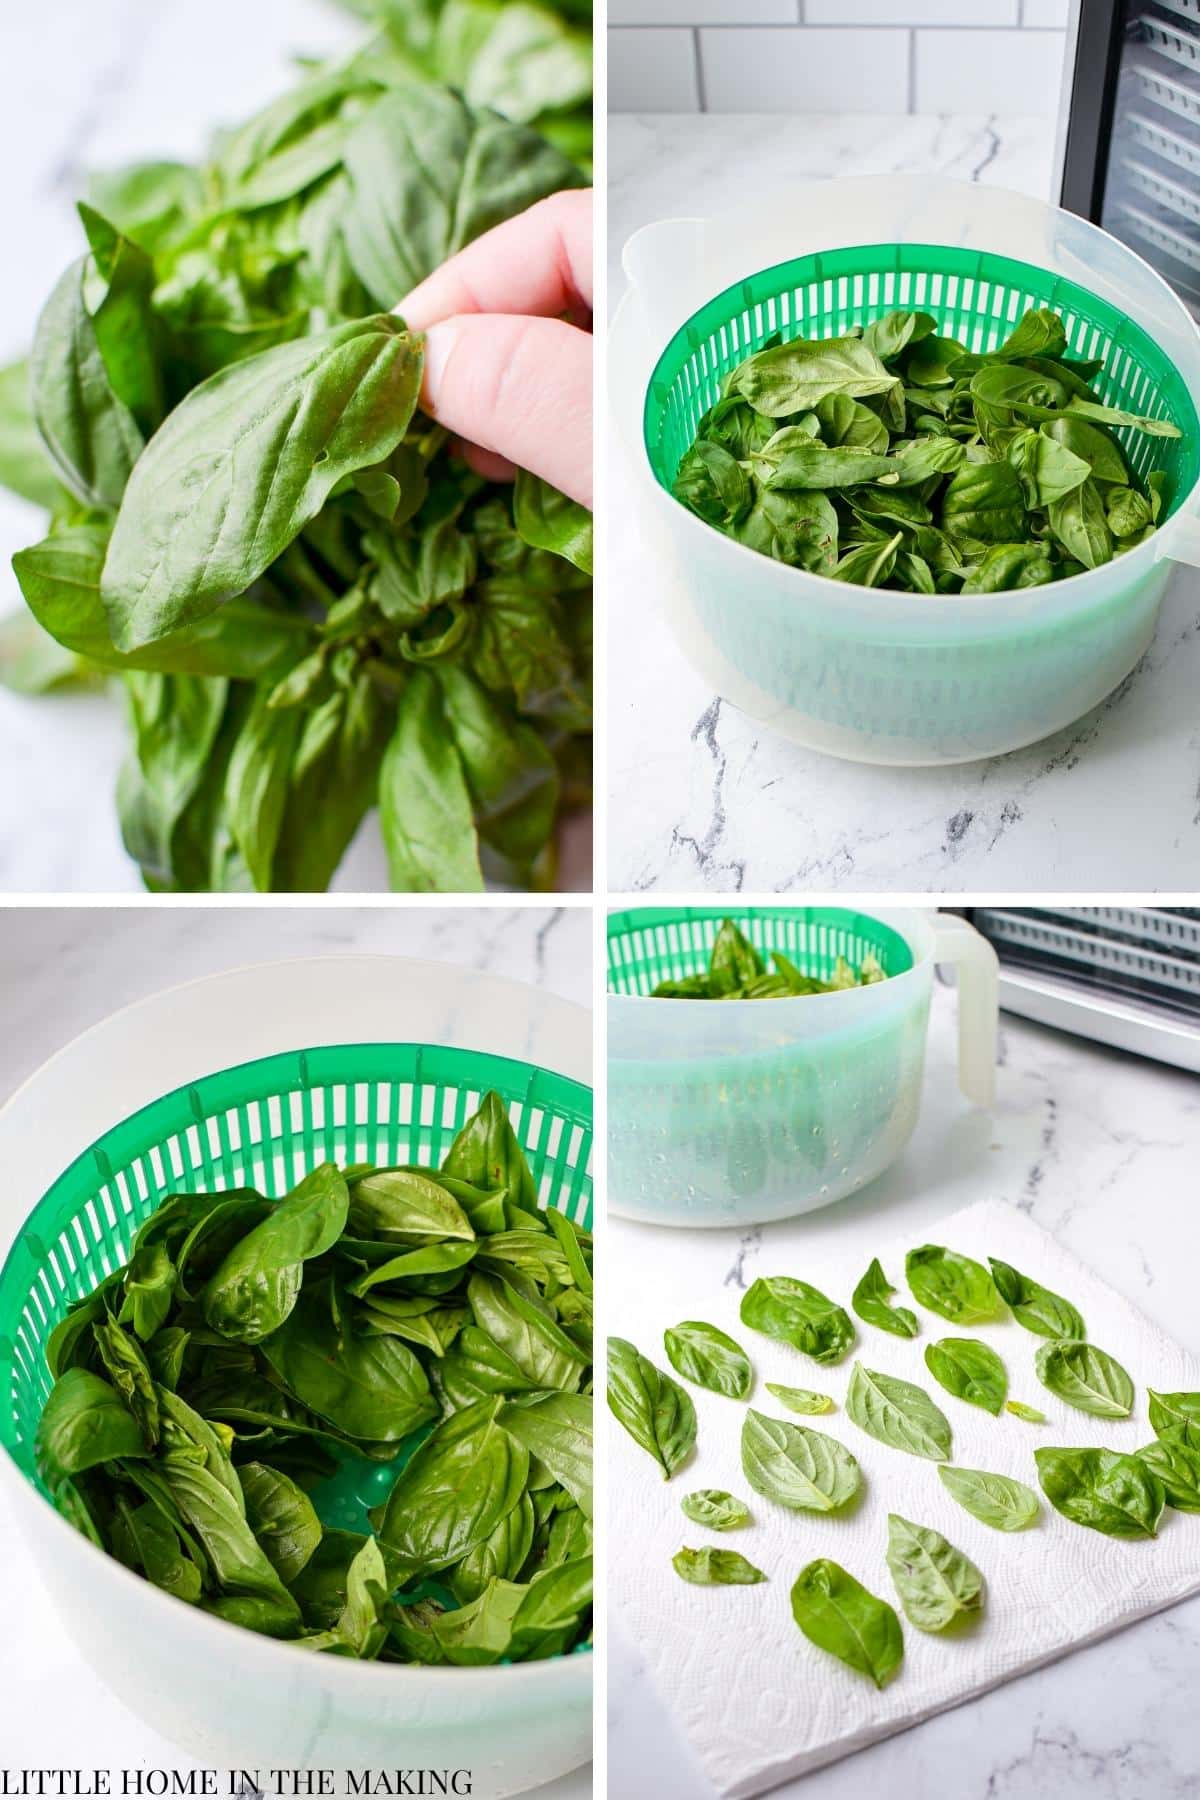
893, 457
313, 603
736, 971
249, 1347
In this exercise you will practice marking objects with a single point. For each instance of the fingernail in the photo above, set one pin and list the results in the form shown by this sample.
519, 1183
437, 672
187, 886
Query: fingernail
439, 343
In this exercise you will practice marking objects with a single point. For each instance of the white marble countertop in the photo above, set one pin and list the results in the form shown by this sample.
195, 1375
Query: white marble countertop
63, 969
702, 797
93, 84
1101, 1149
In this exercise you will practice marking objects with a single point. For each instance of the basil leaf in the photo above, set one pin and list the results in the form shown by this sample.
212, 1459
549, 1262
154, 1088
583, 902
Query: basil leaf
995, 1500
1036, 1307
1167, 1410
1085, 1377
191, 533
870, 1302
1102, 1489
795, 1313
557, 1430
1079, 523
1030, 1414
89, 432
797, 1467
1174, 1460
715, 1568
794, 377
713, 1507
548, 520
85, 1422
938, 1586
970, 1370
424, 805
282, 1518
465, 1478
367, 1387
897, 1413
955, 1286
709, 1357
655, 1411
800, 1400
257, 1283
837, 1614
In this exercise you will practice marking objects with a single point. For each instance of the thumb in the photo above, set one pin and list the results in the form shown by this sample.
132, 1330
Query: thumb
519, 387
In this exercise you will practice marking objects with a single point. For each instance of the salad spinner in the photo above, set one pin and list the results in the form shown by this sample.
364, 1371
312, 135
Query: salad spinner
738, 1112
227, 1695
871, 674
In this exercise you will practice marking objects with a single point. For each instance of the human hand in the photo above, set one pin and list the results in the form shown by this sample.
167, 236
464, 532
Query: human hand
505, 372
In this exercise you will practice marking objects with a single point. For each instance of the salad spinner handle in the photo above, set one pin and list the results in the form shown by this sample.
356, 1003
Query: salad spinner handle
1183, 545
957, 942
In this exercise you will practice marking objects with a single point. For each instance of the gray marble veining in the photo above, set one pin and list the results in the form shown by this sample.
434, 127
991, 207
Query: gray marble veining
703, 797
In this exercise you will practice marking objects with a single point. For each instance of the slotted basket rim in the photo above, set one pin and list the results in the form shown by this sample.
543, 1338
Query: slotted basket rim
1043, 600
255, 1643
623, 919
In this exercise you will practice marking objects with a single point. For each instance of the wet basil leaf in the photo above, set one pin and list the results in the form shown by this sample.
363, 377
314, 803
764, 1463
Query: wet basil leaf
709, 1357
800, 1400
713, 1507
995, 1500
897, 1413
1174, 1459
85, 1422
795, 1313
1085, 1377
1167, 1410
1036, 1307
1108, 1492
715, 1568
797, 1467
970, 1370
955, 1286
655, 1411
870, 1301
839, 1615
938, 1586
258, 1282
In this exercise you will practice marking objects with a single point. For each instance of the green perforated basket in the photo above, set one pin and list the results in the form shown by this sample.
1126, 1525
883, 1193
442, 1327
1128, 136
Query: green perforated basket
974, 297
871, 674
264, 1124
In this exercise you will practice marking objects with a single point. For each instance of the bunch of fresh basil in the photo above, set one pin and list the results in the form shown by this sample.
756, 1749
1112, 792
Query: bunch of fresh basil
896, 458
311, 603
736, 971
207, 1392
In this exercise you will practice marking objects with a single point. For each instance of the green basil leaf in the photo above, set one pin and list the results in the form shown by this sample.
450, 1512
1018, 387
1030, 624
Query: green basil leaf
1102, 1489
192, 532
870, 1302
938, 1586
799, 1468
467, 1476
90, 434
1167, 1410
25, 468
85, 1422
897, 1413
257, 1284
1079, 523
1085, 1377
176, 720
1030, 1414
424, 804
970, 1370
656, 1412
548, 520
995, 1500
837, 1613
955, 1286
795, 1313
366, 1387
557, 1429
714, 1507
709, 1357
1036, 1307
795, 377
800, 1400
715, 1568
1174, 1460
282, 1518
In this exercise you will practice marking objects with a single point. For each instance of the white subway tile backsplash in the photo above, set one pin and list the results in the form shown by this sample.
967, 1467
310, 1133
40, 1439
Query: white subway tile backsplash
1048, 14
804, 71
703, 12
908, 12
652, 71
988, 71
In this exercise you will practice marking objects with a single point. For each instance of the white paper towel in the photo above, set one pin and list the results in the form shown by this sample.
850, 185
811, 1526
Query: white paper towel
758, 1701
